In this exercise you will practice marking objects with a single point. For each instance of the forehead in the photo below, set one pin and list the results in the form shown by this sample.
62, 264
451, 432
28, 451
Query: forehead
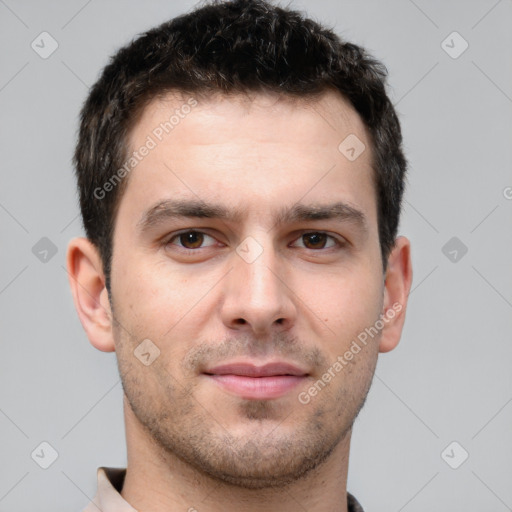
255, 151
304, 116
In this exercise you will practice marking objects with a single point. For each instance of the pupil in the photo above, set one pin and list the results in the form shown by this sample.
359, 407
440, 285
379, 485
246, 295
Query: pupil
315, 240
191, 240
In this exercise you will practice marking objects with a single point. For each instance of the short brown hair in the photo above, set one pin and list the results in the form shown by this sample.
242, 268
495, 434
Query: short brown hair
234, 47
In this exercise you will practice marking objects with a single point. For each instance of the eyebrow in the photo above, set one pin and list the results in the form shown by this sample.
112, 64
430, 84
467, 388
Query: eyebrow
170, 209
339, 211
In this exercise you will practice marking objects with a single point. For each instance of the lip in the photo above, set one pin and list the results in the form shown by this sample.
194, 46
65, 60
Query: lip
252, 382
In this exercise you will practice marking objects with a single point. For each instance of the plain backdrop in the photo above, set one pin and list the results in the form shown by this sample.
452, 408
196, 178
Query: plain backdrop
445, 393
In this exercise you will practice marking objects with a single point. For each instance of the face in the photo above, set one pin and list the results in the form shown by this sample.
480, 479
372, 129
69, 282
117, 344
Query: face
246, 250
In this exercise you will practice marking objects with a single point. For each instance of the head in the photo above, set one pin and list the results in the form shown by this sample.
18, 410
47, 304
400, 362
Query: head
240, 174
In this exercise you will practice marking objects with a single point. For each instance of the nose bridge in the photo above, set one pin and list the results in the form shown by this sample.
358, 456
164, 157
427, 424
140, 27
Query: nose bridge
255, 261
258, 298
261, 282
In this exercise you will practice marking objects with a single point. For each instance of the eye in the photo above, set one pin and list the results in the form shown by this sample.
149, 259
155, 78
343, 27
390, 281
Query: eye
316, 240
192, 240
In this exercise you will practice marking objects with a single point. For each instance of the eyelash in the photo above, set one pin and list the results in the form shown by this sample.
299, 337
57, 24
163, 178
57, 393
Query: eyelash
337, 242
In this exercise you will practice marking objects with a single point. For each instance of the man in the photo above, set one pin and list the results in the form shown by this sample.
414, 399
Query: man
240, 175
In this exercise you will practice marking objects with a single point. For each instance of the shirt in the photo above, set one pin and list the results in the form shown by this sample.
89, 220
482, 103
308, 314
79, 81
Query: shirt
110, 484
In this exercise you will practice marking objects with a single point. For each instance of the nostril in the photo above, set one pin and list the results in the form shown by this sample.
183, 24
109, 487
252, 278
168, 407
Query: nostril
280, 321
240, 321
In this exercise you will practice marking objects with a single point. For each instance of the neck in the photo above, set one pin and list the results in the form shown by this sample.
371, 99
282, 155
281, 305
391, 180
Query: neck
159, 481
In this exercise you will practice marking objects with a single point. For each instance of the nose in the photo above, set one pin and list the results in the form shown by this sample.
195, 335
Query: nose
258, 298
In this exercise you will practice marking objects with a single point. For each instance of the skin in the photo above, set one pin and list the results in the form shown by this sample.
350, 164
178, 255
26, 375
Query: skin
190, 442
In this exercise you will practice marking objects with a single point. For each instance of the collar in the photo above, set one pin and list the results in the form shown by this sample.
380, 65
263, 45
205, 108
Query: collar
109, 499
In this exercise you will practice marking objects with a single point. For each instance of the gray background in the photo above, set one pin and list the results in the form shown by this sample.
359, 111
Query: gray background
449, 380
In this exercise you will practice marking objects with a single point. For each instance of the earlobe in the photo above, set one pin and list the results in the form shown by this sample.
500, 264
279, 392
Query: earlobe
87, 282
397, 287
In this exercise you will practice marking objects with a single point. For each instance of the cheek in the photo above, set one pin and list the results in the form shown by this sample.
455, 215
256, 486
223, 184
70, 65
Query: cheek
342, 297
345, 305
157, 298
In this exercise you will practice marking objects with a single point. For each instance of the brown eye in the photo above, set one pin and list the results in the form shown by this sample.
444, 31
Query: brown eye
191, 239
314, 240
317, 240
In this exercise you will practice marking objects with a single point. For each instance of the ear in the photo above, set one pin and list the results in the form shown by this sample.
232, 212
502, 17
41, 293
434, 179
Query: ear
397, 286
87, 281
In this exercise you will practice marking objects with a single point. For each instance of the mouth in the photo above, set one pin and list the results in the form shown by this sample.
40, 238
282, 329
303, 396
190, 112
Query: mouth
252, 382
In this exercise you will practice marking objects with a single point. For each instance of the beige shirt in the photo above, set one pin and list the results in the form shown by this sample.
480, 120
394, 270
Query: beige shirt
110, 483
108, 499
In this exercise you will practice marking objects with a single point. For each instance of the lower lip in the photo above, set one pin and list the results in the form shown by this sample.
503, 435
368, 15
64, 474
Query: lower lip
258, 388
